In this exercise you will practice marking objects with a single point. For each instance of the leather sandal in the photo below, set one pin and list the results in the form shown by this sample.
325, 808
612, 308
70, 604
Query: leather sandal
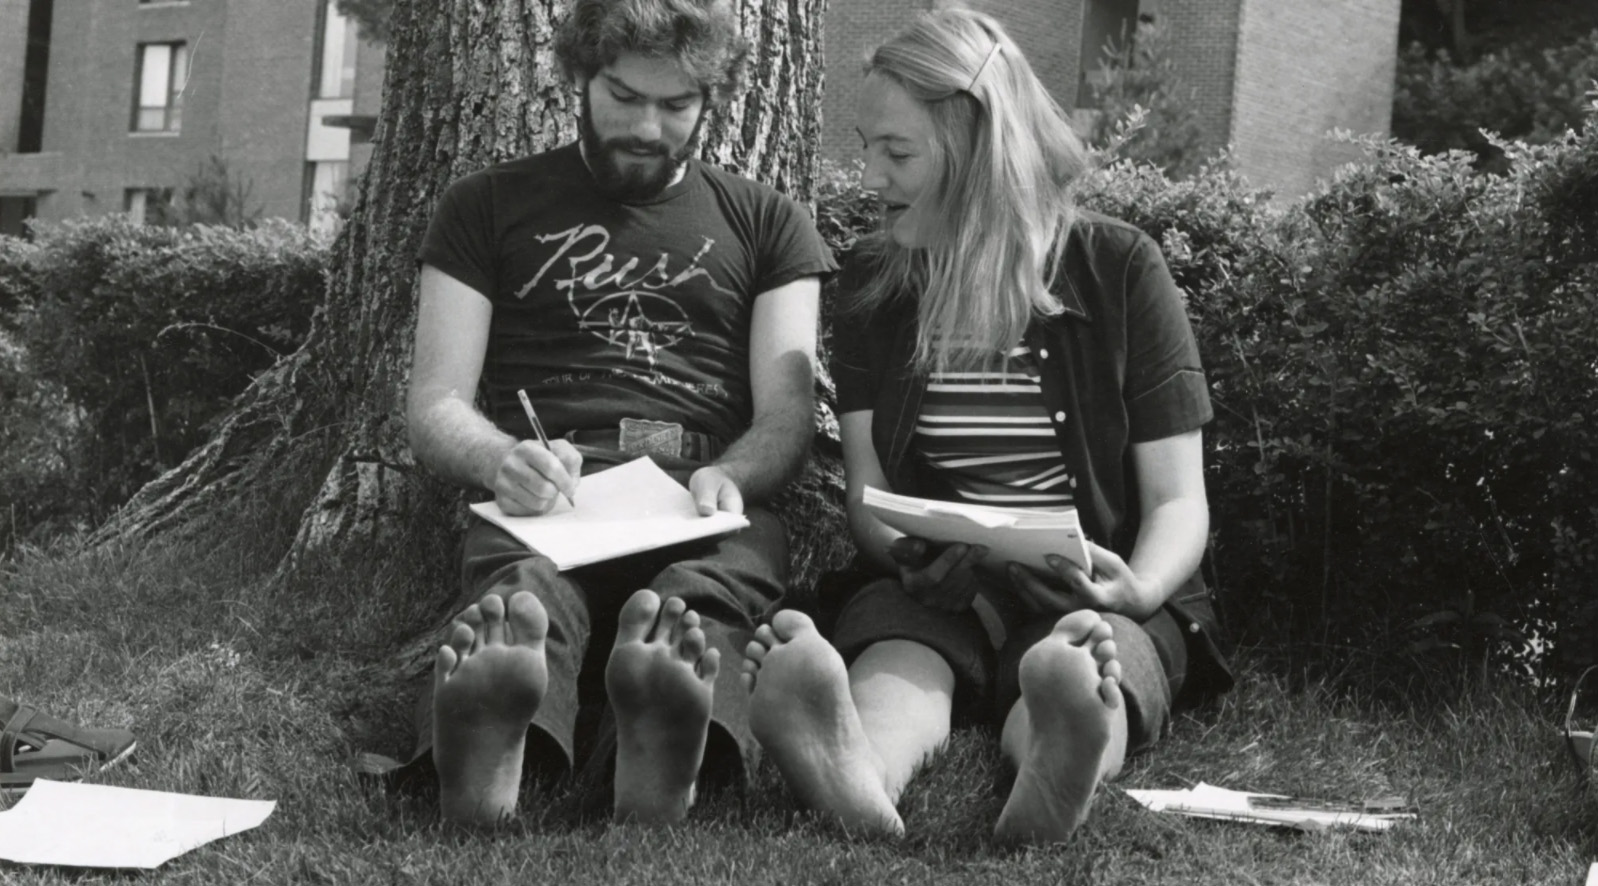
35, 745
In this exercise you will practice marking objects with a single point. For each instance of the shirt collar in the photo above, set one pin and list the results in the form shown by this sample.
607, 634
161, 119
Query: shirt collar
1071, 299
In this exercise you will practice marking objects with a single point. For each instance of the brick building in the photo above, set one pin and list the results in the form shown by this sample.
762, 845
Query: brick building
107, 105
1270, 78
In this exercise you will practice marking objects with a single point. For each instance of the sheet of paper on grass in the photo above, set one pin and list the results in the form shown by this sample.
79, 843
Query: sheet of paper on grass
1209, 801
92, 826
624, 510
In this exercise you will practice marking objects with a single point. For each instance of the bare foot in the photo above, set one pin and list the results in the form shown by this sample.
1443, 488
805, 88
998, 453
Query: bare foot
487, 683
1070, 685
660, 680
803, 715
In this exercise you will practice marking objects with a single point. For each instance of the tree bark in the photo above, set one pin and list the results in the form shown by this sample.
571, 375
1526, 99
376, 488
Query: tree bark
468, 83
1459, 41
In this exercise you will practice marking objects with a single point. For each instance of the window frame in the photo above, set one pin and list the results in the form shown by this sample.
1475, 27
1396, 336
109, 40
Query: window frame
177, 69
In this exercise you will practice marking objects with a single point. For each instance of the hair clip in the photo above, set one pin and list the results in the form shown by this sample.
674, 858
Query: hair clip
982, 67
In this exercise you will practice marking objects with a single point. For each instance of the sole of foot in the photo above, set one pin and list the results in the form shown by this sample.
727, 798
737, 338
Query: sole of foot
803, 715
1070, 682
488, 681
661, 680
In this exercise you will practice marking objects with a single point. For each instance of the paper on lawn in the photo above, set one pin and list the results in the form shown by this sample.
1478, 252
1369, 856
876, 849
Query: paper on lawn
626, 509
1025, 535
1209, 801
92, 826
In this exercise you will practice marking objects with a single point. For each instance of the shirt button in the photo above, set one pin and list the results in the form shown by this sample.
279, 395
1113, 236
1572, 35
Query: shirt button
1193, 628
1043, 353
1059, 416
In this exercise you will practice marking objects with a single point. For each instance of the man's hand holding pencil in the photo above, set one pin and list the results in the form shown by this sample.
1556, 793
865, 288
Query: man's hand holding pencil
536, 472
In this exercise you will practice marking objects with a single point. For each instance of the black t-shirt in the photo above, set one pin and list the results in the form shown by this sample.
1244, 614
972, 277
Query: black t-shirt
605, 310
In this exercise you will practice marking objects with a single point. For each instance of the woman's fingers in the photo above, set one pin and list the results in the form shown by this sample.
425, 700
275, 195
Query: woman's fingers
1036, 592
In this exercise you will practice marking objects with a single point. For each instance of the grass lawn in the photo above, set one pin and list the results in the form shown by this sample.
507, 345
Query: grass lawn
239, 689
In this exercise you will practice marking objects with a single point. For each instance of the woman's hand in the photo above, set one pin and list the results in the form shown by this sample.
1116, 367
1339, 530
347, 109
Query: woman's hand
1113, 586
940, 579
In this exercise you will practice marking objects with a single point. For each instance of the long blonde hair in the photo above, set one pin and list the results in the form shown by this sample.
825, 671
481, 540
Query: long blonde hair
997, 212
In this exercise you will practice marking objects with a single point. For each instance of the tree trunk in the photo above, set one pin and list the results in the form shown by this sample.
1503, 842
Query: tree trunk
1459, 42
468, 84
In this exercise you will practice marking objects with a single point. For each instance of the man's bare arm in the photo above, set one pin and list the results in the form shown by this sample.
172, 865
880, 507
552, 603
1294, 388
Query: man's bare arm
782, 354
447, 432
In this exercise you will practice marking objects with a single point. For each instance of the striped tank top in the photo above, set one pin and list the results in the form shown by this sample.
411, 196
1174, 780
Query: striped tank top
989, 435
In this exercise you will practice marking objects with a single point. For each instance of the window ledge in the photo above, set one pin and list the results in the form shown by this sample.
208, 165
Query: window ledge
160, 3
165, 133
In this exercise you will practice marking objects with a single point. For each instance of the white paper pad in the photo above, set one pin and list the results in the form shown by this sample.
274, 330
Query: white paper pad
92, 826
626, 509
1025, 535
1209, 801
1592, 874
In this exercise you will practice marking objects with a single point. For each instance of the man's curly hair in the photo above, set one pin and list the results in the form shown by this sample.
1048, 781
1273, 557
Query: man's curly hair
700, 35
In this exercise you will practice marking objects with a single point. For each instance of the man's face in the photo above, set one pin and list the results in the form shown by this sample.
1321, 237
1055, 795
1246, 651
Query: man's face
641, 119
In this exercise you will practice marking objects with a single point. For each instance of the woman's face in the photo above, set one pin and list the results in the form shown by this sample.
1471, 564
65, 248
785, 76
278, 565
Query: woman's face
896, 143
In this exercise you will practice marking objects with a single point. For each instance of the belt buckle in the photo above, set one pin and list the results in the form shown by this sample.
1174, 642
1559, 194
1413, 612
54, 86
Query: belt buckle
643, 437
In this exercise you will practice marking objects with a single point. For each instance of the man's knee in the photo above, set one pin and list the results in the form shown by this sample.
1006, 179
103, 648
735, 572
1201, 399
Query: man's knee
535, 573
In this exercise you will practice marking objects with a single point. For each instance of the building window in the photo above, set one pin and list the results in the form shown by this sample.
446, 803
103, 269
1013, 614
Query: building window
327, 198
145, 204
162, 74
15, 210
336, 66
35, 76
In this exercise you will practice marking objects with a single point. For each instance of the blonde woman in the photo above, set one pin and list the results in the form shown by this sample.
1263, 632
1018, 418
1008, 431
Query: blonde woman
998, 346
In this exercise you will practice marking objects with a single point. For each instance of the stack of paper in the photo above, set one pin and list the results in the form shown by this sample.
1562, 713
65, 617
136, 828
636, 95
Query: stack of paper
624, 510
1209, 801
1025, 535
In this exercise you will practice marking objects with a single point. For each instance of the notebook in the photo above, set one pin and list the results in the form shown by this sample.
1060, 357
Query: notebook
627, 509
1025, 535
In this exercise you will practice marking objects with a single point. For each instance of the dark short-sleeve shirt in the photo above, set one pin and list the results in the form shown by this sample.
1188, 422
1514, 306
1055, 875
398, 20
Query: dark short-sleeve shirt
1118, 366
606, 310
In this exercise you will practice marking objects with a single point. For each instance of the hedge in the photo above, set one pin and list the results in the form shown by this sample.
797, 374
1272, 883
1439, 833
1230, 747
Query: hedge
142, 335
1404, 365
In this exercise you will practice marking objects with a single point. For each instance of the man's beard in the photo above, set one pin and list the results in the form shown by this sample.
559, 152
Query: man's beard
637, 181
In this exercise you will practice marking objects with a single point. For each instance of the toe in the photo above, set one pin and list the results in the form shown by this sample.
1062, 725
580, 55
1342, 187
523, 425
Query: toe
1077, 626
790, 623
528, 620
461, 637
1101, 632
637, 617
1110, 692
493, 609
710, 665
688, 622
472, 618
1104, 652
754, 654
692, 645
444, 664
668, 629
765, 636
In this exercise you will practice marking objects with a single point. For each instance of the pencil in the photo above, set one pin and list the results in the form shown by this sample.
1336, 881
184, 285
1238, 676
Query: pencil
538, 428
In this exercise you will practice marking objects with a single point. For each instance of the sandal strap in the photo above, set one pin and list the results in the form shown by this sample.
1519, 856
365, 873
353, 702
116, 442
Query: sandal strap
12, 736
